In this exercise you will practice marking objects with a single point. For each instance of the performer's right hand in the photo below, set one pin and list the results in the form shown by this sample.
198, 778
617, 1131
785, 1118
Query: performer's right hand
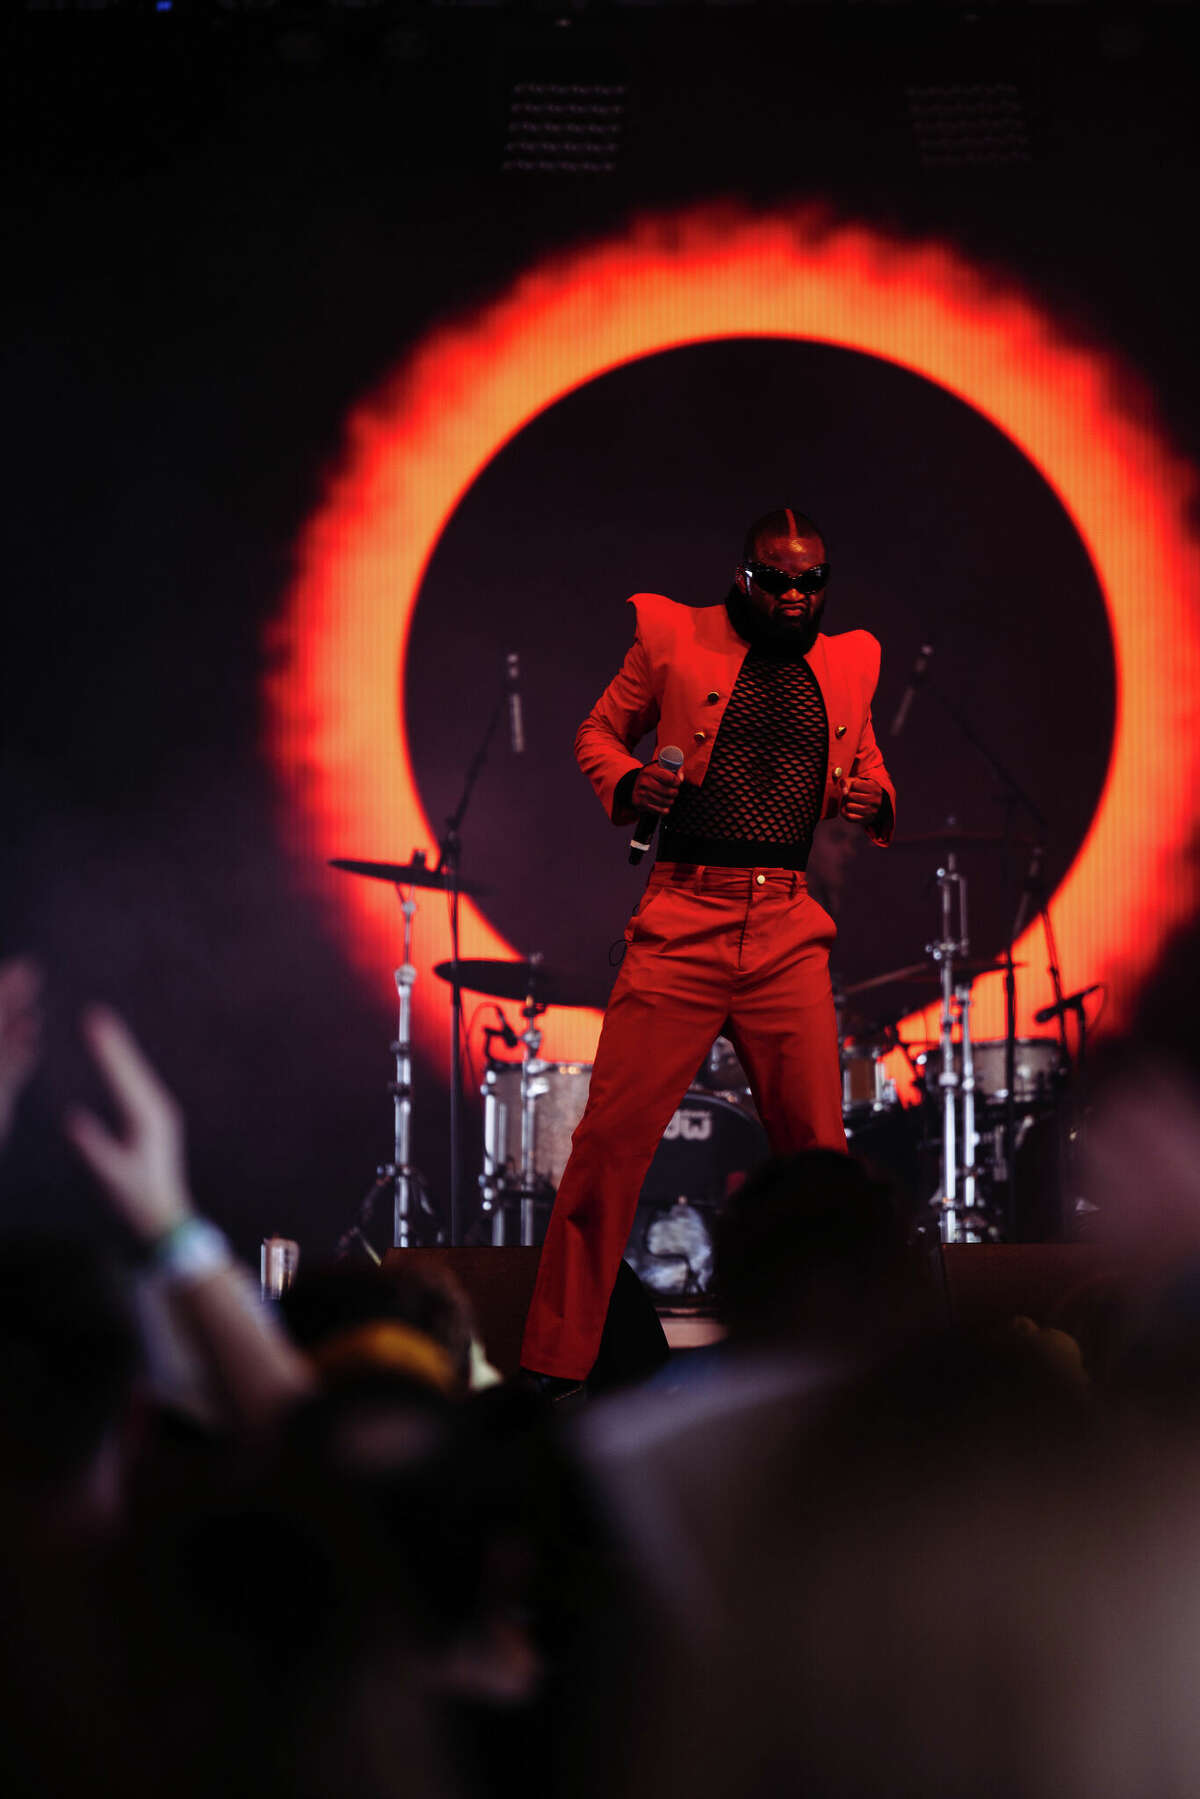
655, 788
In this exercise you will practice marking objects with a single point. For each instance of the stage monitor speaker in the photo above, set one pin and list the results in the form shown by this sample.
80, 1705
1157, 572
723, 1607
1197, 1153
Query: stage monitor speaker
987, 1283
499, 1284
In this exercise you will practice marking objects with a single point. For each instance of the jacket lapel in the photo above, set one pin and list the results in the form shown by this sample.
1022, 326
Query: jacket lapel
836, 696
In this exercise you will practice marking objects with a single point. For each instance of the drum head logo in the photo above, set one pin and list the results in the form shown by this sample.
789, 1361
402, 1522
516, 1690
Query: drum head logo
691, 1127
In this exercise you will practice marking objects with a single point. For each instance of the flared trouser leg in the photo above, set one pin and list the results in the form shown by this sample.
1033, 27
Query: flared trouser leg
707, 950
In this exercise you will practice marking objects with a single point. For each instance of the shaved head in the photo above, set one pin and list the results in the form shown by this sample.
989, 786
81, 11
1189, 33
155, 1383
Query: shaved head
784, 522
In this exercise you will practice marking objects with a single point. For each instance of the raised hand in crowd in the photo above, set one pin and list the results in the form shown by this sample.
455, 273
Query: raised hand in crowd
254, 1369
143, 1171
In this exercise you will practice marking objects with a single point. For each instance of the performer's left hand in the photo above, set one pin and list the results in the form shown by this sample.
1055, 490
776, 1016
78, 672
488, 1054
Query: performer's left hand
861, 799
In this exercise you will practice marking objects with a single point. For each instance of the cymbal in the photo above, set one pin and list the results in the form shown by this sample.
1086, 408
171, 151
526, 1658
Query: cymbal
954, 839
929, 973
524, 980
416, 873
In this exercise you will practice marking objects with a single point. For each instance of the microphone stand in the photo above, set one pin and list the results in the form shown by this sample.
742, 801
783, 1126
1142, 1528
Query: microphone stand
449, 863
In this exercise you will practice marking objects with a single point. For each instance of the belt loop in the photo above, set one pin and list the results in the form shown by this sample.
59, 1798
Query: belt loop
698, 881
795, 883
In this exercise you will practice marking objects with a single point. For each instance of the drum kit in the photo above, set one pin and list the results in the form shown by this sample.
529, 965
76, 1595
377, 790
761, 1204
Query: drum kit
979, 1098
531, 1108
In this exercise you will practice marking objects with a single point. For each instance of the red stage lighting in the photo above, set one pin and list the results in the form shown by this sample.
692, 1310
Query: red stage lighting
335, 722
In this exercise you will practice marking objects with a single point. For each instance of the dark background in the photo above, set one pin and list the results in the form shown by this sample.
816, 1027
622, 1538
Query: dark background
225, 227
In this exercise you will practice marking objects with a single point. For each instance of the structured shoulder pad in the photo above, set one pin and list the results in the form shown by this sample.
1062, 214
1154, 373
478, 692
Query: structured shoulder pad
651, 605
657, 617
858, 649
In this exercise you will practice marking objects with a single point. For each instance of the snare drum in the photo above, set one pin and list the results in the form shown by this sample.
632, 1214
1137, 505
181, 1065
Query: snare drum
559, 1092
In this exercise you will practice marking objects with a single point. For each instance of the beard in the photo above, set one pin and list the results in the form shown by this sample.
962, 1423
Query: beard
783, 636
792, 636
802, 633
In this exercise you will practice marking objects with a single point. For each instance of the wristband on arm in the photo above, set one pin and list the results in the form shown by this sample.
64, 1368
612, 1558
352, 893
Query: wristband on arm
191, 1250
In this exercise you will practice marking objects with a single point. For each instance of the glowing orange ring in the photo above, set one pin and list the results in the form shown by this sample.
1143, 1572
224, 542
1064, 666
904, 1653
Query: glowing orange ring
417, 446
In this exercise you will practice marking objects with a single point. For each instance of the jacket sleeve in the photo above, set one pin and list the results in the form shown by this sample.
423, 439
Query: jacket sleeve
868, 762
621, 717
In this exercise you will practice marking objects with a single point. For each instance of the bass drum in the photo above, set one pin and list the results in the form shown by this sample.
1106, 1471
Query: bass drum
710, 1146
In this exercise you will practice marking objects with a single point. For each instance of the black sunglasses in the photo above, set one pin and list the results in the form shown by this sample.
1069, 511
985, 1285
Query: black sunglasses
782, 580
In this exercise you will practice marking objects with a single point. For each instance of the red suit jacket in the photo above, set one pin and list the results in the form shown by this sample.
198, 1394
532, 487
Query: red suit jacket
678, 677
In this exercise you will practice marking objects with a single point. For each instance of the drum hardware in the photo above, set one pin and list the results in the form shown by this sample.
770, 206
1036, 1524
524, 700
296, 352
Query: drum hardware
994, 1142
721, 1071
539, 987
530, 1109
1034, 898
971, 1077
529, 1186
862, 1046
409, 1191
446, 877
866, 1087
957, 1196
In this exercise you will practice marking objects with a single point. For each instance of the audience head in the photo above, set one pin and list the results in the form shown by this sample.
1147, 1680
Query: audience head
413, 1323
812, 1251
69, 1355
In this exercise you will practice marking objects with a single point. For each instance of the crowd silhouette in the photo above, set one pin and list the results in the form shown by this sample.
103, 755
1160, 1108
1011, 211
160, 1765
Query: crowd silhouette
323, 1548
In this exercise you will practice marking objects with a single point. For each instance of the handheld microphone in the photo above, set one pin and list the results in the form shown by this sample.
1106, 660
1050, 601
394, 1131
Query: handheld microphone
920, 669
1068, 1004
669, 757
516, 721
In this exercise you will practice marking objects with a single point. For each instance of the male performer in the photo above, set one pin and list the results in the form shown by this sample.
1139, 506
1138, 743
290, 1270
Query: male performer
774, 721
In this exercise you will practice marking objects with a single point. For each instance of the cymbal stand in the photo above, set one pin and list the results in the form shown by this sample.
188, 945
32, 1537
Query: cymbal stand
409, 1192
1016, 798
402, 1171
957, 1083
493, 1179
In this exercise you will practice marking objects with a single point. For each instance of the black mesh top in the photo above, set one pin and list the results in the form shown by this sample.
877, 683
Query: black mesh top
761, 797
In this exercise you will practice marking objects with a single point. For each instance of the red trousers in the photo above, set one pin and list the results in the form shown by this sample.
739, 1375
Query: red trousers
740, 952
